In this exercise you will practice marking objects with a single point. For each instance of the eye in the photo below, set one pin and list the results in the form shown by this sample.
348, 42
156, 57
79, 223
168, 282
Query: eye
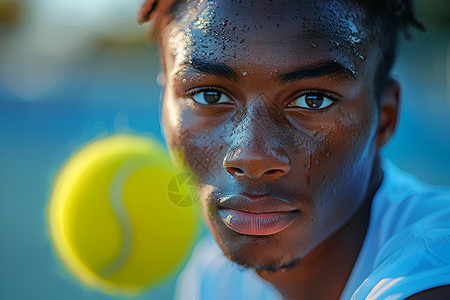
206, 97
312, 101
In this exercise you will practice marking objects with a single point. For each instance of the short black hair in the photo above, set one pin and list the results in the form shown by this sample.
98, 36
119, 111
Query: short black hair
384, 18
388, 18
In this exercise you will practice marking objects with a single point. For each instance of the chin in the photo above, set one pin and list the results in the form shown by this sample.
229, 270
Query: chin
269, 267
280, 251
270, 253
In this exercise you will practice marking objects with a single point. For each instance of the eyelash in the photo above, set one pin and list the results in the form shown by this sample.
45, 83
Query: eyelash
331, 96
190, 94
327, 94
204, 89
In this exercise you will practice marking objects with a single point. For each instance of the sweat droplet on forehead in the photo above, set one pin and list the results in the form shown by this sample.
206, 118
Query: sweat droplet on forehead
229, 31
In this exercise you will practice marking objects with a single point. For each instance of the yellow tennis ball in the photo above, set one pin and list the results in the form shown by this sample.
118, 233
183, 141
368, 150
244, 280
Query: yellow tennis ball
112, 219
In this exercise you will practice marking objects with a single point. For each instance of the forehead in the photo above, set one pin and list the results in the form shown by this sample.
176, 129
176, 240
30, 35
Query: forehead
267, 33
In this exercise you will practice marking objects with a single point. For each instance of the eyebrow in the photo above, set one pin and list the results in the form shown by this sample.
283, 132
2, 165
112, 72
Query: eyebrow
212, 68
315, 71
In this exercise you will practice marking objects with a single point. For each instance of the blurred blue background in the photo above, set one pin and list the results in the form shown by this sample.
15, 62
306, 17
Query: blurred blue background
74, 71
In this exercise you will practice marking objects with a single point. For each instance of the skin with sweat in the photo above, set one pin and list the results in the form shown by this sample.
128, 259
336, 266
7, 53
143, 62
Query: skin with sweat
278, 100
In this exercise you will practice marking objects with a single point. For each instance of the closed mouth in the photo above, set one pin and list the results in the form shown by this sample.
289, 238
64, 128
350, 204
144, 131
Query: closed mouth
261, 215
260, 224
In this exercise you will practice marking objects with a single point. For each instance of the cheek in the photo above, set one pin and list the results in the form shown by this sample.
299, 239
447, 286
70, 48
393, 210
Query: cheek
171, 122
334, 151
333, 163
350, 152
354, 136
192, 143
203, 153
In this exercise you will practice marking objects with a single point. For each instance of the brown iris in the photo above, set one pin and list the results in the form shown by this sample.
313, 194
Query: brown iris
211, 96
314, 101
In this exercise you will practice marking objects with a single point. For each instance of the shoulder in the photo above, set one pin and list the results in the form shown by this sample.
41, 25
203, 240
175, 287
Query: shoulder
210, 275
438, 293
403, 201
411, 236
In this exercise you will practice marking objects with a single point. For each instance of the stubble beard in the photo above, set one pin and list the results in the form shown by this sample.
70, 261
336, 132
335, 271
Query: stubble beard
269, 268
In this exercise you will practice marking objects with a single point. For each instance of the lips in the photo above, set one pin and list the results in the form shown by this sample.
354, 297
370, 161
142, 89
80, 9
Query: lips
262, 215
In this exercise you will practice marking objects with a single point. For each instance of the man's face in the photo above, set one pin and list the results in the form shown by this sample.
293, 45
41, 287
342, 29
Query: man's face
271, 106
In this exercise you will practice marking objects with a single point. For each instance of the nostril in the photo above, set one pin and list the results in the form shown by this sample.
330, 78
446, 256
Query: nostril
273, 172
254, 166
235, 171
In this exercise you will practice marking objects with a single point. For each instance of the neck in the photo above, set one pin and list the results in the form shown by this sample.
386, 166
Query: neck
323, 273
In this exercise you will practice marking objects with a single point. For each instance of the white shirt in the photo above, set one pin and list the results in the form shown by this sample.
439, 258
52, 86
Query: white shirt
406, 250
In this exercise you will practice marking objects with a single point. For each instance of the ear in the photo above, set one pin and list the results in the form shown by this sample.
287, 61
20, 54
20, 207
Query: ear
389, 109
146, 11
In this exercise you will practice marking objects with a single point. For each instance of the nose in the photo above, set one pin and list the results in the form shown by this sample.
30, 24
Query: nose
245, 163
256, 152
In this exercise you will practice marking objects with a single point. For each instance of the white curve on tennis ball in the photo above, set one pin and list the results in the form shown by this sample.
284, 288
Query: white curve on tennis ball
116, 192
